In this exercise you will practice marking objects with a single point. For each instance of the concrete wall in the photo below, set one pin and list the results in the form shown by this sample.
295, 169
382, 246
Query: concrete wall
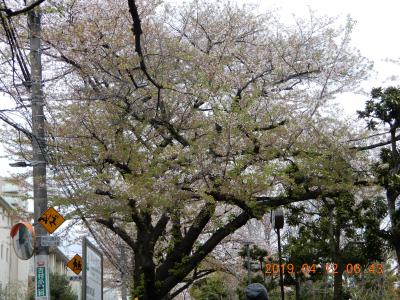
13, 271
5, 247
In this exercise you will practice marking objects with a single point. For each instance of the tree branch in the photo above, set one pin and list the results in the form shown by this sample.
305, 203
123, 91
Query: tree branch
184, 247
204, 250
189, 282
297, 75
272, 202
160, 227
11, 13
270, 127
117, 230
137, 32
362, 148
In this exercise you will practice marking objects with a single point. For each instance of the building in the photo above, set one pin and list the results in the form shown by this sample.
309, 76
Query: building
14, 272
16, 275
57, 261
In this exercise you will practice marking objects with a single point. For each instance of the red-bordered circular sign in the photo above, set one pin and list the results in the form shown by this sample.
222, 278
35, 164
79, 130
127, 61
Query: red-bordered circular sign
23, 236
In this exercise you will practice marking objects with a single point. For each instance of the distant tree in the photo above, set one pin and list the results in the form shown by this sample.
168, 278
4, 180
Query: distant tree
256, 255
371, 287
209, 288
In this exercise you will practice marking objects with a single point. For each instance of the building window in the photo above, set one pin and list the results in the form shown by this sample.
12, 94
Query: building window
7, 254
1, 251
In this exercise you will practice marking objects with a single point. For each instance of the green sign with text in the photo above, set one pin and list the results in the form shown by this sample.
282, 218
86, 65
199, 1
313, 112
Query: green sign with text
41, 282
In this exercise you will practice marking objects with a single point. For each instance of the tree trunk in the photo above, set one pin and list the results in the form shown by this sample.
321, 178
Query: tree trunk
338, 282
144, 282
391, 197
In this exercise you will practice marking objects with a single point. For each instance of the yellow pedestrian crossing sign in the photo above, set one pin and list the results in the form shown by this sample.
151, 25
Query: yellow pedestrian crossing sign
75, 264
51, 220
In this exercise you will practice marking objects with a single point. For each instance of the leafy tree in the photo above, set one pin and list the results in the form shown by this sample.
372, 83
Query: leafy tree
59, 288
173, 127
370, 286
14, 291
209, 288
342, 230
384, 108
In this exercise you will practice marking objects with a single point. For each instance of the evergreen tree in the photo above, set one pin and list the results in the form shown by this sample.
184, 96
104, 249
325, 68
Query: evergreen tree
384, 109
334, 236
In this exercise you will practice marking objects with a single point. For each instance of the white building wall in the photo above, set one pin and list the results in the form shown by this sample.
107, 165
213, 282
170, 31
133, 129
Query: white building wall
4, 245
75, 281
13, 271
11, 194
57, 264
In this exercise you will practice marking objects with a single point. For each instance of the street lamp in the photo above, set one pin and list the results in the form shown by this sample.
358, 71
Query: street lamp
24, 164
247, 245
277, 219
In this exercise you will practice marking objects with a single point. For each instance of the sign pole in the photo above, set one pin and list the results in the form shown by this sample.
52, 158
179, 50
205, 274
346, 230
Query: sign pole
39, 152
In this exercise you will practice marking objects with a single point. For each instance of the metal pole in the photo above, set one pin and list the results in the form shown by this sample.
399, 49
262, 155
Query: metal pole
280, 265
124, 294
248, 263
38, 148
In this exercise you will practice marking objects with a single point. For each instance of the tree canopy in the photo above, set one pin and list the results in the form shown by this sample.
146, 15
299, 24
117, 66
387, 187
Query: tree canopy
173, 126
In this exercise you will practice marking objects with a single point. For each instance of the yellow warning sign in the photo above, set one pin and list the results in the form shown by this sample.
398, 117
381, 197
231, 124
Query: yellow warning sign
75, 264
51, 220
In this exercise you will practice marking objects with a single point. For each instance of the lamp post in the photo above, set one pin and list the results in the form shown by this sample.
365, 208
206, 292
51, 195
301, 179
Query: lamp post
277, 220
247, 245
24, 164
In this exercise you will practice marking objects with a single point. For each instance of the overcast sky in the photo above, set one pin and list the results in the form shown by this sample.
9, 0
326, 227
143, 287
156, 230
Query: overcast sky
376, 35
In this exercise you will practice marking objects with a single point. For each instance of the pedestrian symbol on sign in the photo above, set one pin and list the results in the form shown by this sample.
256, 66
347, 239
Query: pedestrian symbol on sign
75, 264
51, 220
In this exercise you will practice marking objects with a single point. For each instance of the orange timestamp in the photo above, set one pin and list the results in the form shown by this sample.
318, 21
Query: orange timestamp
330, 268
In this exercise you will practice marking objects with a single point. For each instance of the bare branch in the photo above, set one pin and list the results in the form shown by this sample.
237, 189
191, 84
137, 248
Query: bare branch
373, 146
117, 230
137, 31
11, 13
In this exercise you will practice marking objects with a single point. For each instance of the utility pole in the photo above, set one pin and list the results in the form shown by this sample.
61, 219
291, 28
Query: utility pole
42, 286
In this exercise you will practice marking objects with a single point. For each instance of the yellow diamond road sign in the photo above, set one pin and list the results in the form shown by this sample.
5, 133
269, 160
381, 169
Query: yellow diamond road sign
75, 264
51, 220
